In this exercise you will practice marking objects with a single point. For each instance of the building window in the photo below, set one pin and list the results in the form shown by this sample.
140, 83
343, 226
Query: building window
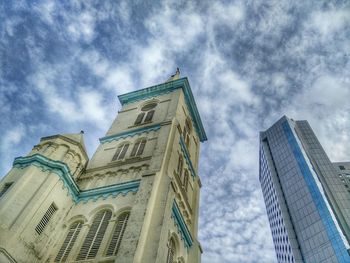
138, 148
146, 114
46, 219
118, 234
68, 242
5, 188
186, 132
180, 165
185, 181
121, 151
171, 251
95, 235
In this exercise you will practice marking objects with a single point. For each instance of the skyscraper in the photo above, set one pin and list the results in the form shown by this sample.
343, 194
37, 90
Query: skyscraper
307, 197
135, 200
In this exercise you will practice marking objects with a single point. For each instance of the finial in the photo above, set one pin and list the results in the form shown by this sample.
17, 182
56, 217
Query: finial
175, 76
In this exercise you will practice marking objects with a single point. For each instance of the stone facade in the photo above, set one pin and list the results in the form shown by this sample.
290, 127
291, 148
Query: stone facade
135, 200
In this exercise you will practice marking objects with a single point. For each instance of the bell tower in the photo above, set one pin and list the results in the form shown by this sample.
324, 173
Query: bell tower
135, 200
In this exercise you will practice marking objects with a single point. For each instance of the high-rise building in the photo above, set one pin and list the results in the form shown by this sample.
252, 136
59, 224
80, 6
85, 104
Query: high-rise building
307, 197
135, 200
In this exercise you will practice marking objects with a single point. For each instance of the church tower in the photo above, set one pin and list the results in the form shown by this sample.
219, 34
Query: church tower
136, 200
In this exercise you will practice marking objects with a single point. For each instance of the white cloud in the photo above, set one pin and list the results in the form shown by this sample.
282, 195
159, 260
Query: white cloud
82, 26
10, 142
91, 104
46, 10
330, 21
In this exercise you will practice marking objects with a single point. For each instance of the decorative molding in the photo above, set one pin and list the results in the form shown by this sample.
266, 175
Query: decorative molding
111, 190
129, 133
57, 167
61, 169
167, 88
187, 157
128, 160
181, 225
179, 189
7, 255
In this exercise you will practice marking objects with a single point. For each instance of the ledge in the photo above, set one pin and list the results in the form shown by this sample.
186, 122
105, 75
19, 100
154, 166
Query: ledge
129, 133
61, 169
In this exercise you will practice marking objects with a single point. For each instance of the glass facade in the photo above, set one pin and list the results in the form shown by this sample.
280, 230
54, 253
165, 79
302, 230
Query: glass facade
283, 247
295, 198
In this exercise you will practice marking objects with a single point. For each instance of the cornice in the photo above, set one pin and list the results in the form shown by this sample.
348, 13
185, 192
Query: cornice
167, 88
187, 157
118, 163
181, 225
62, 171
130, 133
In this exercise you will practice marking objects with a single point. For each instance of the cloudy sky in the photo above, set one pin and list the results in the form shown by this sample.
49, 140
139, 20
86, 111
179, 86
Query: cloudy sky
62, 65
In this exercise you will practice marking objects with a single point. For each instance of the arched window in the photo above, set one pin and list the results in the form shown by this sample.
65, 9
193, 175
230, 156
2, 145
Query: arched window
186, 132
5, 188
146, 114
121, 151
95, 235
69, 241
171, 251
118, 234
185, 181
180, 165
138, 148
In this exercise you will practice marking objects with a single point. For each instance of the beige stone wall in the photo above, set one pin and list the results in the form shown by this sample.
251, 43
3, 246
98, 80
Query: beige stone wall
150, 224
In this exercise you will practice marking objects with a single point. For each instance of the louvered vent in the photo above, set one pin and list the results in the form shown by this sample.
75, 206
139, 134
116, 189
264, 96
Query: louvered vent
118, 234
171, 251
95, 235
46, 218
68, 243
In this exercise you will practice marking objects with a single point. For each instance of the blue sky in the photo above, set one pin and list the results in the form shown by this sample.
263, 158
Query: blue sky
62, 65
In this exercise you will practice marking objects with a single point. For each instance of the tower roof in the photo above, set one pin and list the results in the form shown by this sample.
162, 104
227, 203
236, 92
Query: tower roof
165, 88
75, 138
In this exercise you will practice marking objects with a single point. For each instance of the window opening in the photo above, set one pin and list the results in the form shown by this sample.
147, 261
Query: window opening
46, 219
68, 242
5, 188
146, 114
171, 251
180, 166
138, 148
95, 235
121, 151
185, 182
118, 234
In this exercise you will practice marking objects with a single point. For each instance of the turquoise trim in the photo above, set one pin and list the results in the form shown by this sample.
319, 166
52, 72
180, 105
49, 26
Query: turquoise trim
129, 133
61, 169
187, 157
57, 167
111, 190
167, 88
181, 225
